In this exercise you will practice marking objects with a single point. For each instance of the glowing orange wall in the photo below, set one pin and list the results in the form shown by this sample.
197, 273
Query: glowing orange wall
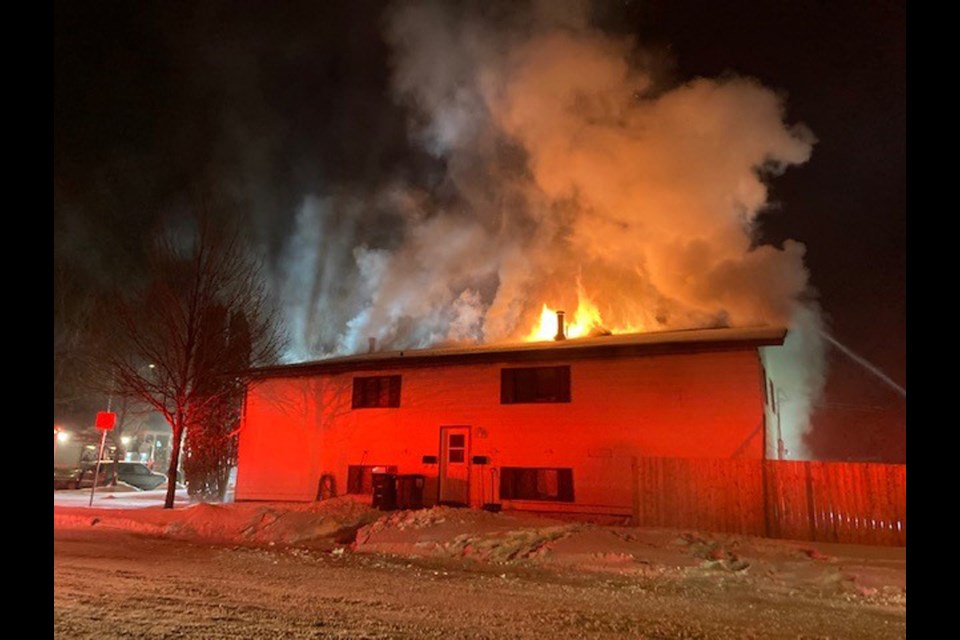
684, 405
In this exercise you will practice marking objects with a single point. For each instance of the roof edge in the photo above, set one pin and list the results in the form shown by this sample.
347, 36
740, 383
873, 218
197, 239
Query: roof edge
622, 345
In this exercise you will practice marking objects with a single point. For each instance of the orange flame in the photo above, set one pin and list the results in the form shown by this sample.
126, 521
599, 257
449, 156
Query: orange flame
585, 321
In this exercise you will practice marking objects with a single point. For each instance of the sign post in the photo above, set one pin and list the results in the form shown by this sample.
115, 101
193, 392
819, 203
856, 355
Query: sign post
105, 422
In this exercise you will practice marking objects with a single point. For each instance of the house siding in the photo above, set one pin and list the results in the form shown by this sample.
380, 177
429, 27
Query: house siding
708, 404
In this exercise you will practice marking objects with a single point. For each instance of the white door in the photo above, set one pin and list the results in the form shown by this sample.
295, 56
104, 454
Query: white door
455, 465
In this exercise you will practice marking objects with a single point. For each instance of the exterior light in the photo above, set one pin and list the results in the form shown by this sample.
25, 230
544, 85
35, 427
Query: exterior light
125, 440
63, 436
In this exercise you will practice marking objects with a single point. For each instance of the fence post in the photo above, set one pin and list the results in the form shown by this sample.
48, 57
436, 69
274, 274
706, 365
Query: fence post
812, 506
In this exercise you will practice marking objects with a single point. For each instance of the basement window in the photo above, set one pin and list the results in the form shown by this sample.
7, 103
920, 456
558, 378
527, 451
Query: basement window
535, 384
536, 483
376, 391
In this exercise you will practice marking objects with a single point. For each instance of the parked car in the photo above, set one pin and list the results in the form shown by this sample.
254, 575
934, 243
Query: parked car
77, 477
66, 478
135, 474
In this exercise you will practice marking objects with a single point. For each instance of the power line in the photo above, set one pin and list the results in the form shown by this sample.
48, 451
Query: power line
864, 363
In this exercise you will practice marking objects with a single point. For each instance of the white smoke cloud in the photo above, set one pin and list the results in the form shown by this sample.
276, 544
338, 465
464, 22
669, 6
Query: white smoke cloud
797, 372
565, 167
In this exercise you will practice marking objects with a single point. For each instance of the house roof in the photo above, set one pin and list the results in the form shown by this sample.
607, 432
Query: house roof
628, 344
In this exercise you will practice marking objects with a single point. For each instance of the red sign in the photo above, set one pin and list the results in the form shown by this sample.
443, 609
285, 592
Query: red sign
106, 420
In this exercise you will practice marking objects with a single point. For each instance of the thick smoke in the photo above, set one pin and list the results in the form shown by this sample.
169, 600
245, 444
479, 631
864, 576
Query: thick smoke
566, 169
797, 371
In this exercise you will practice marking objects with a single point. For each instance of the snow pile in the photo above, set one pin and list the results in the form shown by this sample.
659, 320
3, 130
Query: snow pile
715, 555
310, 524
335, 520
444, 532
462, 533
875, 573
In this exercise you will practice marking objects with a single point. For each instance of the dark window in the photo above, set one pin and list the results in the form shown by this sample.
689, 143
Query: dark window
521, 483
376, 391
456, 447
535, 384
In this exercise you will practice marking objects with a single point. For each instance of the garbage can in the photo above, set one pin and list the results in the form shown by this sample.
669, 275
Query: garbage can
410, 491
384, 491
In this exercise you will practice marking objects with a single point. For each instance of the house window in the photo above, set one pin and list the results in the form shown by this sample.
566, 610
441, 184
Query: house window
535, 384
376, 391
536, 483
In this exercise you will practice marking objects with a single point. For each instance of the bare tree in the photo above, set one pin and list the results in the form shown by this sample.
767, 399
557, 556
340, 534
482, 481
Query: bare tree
210, 445
195, 273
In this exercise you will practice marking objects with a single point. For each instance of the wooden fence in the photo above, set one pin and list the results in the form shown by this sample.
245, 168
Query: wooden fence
851, 502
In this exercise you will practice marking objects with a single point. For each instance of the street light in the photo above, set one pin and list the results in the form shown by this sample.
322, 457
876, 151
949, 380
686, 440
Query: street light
59, 436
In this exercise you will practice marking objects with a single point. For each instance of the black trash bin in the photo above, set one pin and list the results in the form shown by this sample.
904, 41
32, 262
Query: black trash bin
384, 491
410, 491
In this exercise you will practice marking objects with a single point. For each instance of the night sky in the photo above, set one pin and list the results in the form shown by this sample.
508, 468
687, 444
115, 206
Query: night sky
269, 100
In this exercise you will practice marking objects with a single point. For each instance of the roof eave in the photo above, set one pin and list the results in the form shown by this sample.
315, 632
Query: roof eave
624, 345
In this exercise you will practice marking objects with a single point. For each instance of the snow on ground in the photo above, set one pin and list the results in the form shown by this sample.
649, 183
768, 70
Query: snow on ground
468, 537
122, 496
875, 573
319, 524
158, 588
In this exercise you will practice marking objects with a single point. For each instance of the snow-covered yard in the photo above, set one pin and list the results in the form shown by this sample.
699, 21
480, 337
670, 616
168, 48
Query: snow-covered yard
122, 496
357, 572
348, 524
114, 584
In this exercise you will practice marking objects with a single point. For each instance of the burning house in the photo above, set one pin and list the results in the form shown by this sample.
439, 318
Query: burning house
549, 426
